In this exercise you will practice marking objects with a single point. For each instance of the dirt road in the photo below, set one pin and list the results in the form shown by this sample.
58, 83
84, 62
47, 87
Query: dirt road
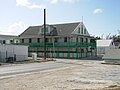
79, 75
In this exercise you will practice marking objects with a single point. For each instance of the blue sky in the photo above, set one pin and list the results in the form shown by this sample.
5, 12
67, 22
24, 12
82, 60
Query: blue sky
99, 16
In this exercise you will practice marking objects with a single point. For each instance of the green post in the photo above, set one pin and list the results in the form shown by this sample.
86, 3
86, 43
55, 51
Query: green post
77, 53
68, 53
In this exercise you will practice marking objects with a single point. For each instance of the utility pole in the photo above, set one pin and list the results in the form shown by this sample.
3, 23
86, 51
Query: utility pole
44, 33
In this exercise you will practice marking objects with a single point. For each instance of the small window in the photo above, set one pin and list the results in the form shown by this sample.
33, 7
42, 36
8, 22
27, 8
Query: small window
46, 40
112, 43
38, 40
65, 39
22, 40
79, 30
82, 29
82, 50
85, 31
42, 30
56, 39
87, 40
30, 40
81, 39
4, 42
17, 41
11, 41
76, 39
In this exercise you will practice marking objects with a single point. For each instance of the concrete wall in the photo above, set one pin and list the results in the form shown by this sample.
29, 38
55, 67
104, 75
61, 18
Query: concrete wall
112, 54
16, 51
101, 50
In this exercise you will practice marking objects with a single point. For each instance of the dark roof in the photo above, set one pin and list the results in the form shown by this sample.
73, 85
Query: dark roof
66, 29
31, 31
62, 29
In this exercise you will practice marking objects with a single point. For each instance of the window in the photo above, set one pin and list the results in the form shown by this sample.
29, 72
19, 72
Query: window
22, 40
79, 30
85, 31
76, 39
17, 41
65, 39
30, 40
42, 30
82, 50
112, 43
46, 40
87, 40
56, 39
38, 40
4, 42
81, 39
82, 29
11, 41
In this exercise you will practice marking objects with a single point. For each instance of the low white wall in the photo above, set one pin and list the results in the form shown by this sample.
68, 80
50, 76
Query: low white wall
17, 51
112, 54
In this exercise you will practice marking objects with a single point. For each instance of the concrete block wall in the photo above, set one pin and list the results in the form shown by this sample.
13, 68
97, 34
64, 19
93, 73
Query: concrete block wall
17, 51
112, 54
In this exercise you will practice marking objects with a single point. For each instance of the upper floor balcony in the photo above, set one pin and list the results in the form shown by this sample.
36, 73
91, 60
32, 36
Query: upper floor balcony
61, 44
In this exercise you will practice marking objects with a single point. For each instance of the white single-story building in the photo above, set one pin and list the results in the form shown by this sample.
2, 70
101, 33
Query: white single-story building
112, 56
13, 53
9, 39
104, 44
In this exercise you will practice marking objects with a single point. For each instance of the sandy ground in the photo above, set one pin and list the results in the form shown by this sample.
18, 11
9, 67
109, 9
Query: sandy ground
81, 75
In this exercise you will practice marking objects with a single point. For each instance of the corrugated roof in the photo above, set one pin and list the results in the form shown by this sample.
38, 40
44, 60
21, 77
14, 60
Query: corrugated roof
62, 29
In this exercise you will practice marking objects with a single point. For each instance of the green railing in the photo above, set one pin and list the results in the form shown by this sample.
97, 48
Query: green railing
61, 44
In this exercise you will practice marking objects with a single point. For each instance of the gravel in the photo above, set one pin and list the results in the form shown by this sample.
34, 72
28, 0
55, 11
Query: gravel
80, 75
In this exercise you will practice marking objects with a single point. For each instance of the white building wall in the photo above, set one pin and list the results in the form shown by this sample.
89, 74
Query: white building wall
6, 51
26, 40
34, 40
61, 39
112, 54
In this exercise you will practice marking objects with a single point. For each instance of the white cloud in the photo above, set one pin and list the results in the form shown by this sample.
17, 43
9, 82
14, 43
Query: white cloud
98, 11
70, 1
53, 1
28, 4
14, 29
65, 1
42, 6
22, 3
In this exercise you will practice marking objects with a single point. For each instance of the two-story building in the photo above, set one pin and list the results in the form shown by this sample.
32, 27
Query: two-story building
68, 40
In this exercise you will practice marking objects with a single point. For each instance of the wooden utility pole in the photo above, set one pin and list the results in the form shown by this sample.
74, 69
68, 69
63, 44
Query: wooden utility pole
44, 33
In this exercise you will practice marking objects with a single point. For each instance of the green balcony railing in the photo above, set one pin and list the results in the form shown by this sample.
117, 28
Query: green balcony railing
61, 44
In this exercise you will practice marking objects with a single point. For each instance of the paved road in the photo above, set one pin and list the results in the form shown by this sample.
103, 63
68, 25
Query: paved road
22, 68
